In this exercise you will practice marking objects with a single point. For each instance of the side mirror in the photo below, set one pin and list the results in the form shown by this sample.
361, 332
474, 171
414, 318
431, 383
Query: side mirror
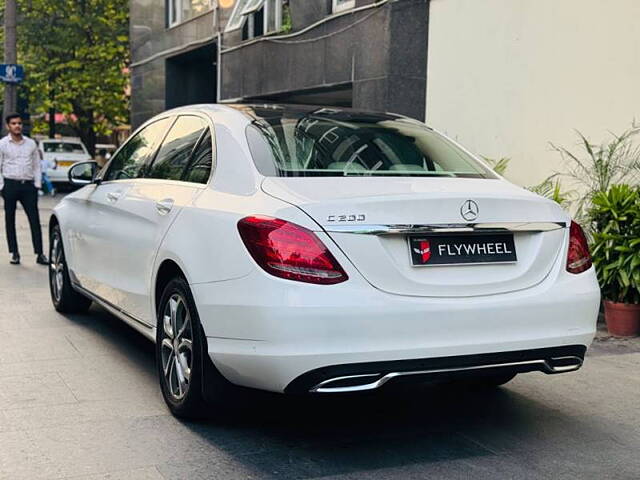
83, 173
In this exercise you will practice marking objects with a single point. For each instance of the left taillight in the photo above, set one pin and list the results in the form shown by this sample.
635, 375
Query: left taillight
578, 256
290, 251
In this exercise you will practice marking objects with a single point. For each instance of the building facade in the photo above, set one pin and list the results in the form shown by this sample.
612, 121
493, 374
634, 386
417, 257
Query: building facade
507, 78
358, 53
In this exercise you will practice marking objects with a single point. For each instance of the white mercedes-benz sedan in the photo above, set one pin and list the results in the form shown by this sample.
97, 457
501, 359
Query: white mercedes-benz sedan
320, 250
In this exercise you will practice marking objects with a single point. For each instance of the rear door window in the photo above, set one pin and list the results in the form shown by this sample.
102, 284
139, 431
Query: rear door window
201, 163
129, 162
177, 147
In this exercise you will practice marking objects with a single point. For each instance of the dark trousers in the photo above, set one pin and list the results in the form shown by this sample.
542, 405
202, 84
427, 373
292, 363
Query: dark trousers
15, 191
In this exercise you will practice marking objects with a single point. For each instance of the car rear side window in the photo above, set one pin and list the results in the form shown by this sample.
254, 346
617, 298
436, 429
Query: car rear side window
177, 147
201, 163
62, 147
130, 160
335, 143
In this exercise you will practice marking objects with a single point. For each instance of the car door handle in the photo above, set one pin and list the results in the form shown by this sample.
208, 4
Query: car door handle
164, 206
114, 196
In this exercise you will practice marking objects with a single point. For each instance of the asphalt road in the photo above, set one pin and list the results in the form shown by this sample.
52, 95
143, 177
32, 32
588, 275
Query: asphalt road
79, 399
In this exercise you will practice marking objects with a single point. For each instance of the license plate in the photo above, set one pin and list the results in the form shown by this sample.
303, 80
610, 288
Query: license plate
65, 163
462, 249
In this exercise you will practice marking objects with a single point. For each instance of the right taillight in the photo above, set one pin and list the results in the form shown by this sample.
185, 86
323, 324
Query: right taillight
578, 257
290, 251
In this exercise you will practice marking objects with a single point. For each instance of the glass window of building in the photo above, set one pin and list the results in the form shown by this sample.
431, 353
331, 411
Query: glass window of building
179, 11
256, 18
341, 5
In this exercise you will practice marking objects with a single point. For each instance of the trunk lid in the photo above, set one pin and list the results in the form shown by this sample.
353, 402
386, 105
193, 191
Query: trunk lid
342, 205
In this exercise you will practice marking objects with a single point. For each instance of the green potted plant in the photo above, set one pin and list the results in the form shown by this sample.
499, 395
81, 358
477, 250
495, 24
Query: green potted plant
615, 217
596, 167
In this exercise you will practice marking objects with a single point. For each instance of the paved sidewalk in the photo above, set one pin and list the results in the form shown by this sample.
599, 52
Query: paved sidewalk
79, 399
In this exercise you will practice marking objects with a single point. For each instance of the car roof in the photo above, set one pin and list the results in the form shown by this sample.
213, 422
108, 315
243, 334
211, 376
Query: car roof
272, 111
268, 111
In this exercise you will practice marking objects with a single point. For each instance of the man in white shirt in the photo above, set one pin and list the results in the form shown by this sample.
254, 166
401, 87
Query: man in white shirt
20, 179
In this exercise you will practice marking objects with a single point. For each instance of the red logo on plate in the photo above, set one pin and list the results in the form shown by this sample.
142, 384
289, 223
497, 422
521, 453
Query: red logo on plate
424, 250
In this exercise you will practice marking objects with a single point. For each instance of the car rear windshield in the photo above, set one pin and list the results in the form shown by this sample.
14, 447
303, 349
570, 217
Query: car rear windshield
63, 147
326, 143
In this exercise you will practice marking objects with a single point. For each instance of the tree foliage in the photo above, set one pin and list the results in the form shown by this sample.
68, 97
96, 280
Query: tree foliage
75, 54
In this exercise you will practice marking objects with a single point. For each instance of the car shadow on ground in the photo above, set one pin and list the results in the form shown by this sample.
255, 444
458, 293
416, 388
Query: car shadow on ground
276, 436
102, 326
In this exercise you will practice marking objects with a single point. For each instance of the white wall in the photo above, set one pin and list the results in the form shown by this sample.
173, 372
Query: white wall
506, 77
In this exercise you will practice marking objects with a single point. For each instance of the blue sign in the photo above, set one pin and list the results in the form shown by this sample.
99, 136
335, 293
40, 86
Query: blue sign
11, 73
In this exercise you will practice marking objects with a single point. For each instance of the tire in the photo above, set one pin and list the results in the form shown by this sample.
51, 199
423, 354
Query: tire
183, 377
64, 297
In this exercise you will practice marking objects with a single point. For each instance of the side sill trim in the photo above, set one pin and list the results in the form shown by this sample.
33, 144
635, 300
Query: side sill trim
396, 229
110, 306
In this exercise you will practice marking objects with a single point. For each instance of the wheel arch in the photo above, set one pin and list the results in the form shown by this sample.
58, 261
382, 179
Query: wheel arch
167, 270
53, 221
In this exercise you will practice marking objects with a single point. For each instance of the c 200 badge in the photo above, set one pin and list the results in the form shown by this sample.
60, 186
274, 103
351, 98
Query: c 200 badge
359, 217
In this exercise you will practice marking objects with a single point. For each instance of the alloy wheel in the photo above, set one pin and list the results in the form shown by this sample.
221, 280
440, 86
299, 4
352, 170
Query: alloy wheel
177, 346
57, 268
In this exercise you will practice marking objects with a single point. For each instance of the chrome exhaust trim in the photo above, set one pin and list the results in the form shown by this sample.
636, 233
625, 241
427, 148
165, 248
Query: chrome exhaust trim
551, 366
572, 363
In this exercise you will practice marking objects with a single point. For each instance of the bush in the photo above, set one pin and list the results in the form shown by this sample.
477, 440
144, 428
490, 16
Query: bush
550, 188
595, 168
615, 219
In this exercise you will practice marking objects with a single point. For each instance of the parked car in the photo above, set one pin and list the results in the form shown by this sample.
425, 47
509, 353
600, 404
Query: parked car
323, 251
61, 154
109, 149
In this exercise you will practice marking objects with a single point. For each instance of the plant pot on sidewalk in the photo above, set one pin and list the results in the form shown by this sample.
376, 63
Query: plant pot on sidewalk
622, 319
615, 220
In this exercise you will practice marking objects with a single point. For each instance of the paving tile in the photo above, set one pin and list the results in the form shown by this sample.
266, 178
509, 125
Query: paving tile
43, 318
27, 345
34, 418
336, 451
627, 360
35, 367
150, 473
111, 377
601, 460
20, 459
490, 467
125, 444
38, 390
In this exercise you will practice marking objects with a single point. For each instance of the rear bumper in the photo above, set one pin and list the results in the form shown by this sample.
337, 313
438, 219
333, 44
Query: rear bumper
370, 376
276, 335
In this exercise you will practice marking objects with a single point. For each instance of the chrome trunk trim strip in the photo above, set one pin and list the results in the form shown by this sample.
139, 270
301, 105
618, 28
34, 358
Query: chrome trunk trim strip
399, 229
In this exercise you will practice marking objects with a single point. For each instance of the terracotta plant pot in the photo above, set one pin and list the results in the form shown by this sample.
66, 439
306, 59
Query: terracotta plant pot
623, 319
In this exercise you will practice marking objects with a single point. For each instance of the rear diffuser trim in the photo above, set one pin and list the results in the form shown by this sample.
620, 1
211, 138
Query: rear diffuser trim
373, 375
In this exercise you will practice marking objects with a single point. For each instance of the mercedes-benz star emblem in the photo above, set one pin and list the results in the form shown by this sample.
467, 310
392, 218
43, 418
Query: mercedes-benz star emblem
469, 210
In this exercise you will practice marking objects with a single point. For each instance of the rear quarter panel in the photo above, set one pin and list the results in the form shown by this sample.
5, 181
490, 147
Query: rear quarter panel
204, 240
